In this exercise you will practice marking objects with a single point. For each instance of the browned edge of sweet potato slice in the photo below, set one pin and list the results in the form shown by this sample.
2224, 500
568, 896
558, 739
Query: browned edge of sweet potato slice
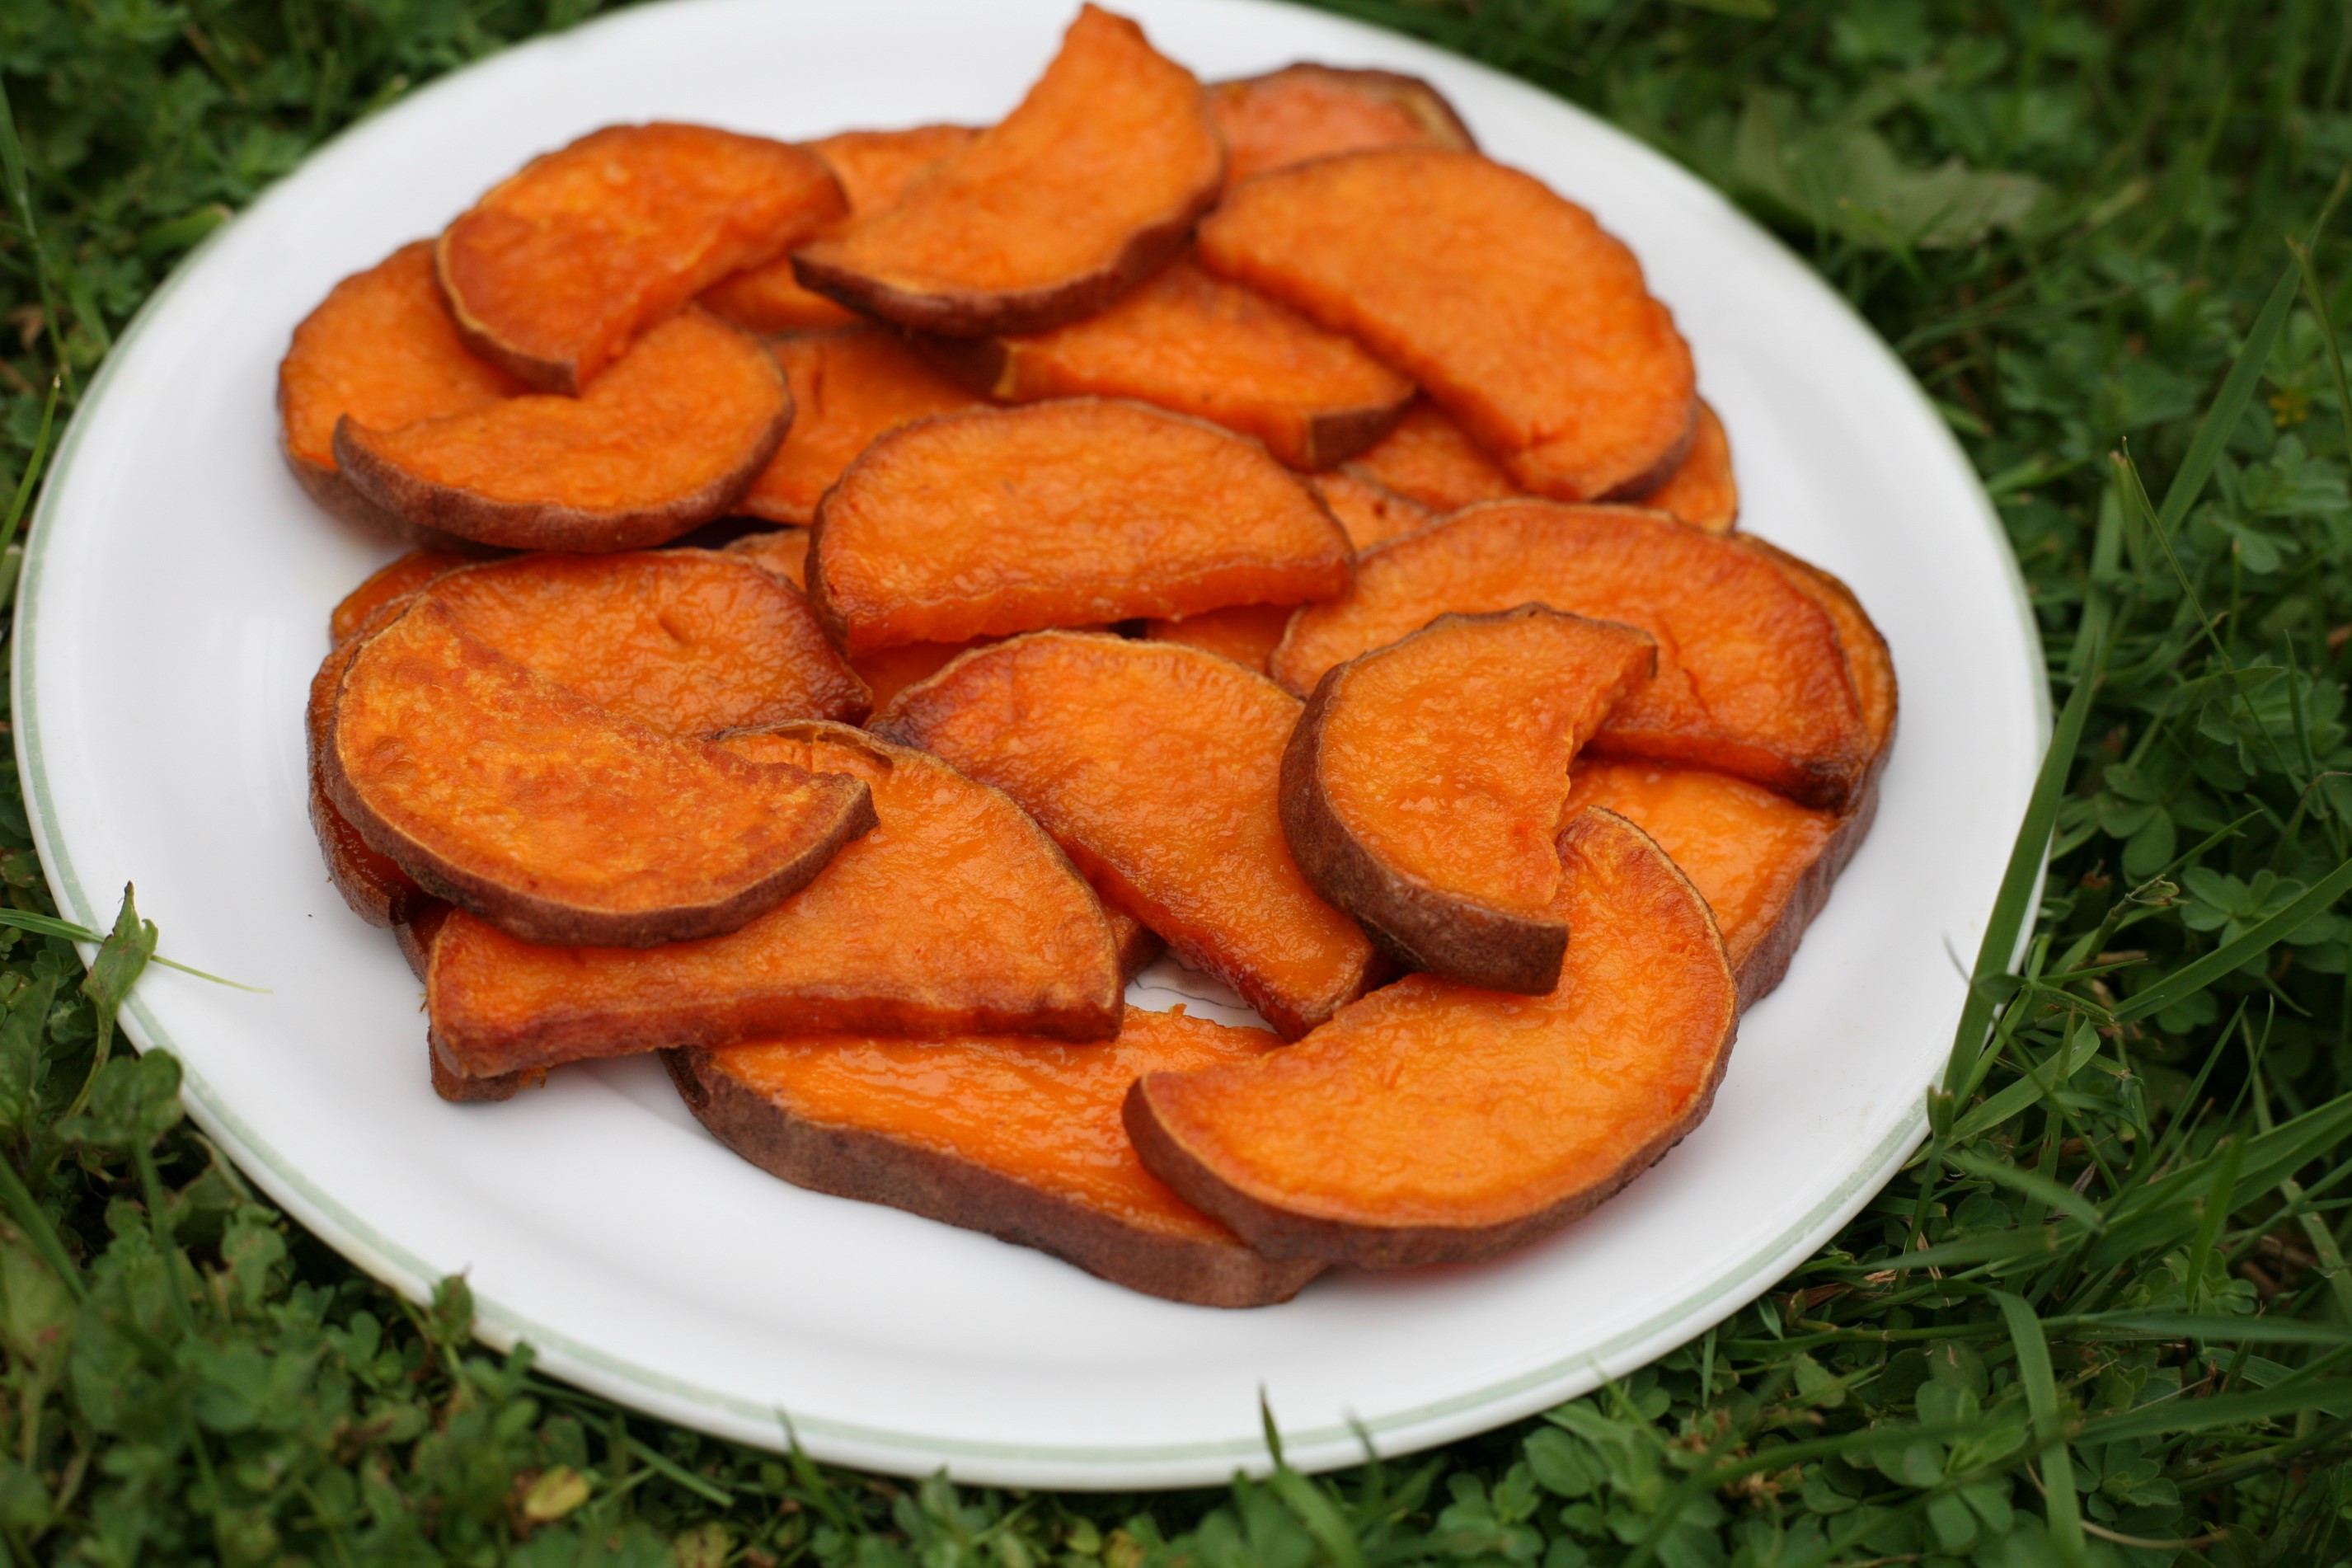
1646, 945
416, 938
1042, 218
1702, 490
871, 1164
1450, 931
373, 886
849, 389
703, 406
1312, 110
426, 715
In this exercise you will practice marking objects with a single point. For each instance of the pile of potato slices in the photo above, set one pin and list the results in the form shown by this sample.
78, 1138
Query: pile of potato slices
867, 596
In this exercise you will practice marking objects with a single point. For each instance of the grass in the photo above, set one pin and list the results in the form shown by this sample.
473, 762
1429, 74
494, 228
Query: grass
2103, 1318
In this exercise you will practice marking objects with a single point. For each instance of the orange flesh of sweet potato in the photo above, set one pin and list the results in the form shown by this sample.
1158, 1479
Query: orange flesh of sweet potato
848, 388
396, 580
1370, 512
1061, 514
1020, 1138
1246, 634
1187, 342
667, 438
1422, 791
1156, 766
1431, 1123
556, 272
531, 806
1868, 661
1510, 306
687, 642
1750, 678
1429, 459
875, 168
1087, 187
781, 551
1304, 112
372, 885
1757, 857
1702, 491
955, 915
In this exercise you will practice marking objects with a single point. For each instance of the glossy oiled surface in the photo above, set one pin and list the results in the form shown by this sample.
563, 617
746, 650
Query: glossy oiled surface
1430, 1103
1246, 634
587, 246
396, 580
873, 167
848, 388
1507, 302
1062, 514
1311, 111
1429, 460
1158, 767
955, 914
1370, 512
1751, 676
684, 641
1446, 754
506, 776
1867, 658
689, 403
1703, 491
1744, 848
1113, 138
783, 551
1203, 346
382, 348
1044, 1112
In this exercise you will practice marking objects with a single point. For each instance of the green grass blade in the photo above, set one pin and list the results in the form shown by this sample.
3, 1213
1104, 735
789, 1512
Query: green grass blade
2208, 1326
2082, 1047
49, 925
2041, 1399
2191, 978
2229, 405
2219, 1199
2033, 1184
2182, 1414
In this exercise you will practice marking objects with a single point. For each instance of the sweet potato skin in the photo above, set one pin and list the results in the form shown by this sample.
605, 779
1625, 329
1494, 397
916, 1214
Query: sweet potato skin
1059, 166
1308, 111
1702, 490
555, 271
872, 947
1103, 523
1091, 735
849, 389
1643, 886
1194, 345
509, 473
1370, 512
379, 772
373, 886
1509, 305
395, 581
1751, 677
1431, 462
1203, 1265
1452, 932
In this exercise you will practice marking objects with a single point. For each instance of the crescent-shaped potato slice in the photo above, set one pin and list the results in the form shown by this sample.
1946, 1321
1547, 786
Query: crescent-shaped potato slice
1020, 1138
670, 436
533, 808
1061, 514
1431, 1122
848, 388
1083, 191
1703, 491
1422, 789
1509, 305
1158, 767
956, 915
557, 269
1752, 676
1308, 111
1431, 462
1196, 344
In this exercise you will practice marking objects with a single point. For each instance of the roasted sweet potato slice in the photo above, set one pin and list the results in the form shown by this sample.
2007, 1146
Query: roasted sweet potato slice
1306, 110
1702, 491
1088, 187
1246, 634
1061, 514
1429, 460
848, 388
386, 584
875, 168
1421, 790
1750, 676
956, 915
1370, 512
416, 938
781, 551
1018, 1137
1867, 658
532, 806
382, 348
670, 436
1433, 1123
1763, 863
1156, 766
372, 885
1199, 345
1509, 305
556, 272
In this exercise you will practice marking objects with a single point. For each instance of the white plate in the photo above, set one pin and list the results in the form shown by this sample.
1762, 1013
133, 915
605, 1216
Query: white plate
175, 603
